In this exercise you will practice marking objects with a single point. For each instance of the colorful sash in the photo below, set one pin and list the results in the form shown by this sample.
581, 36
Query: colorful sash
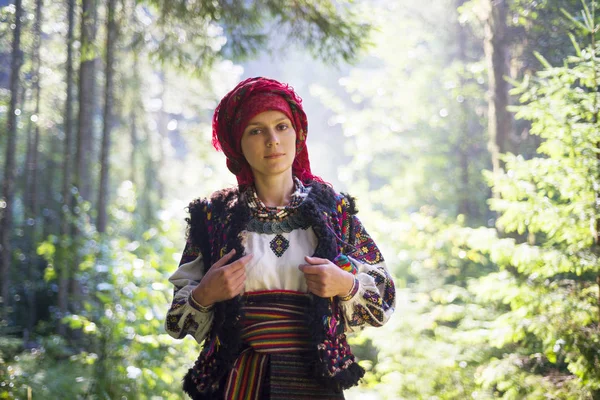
277, 357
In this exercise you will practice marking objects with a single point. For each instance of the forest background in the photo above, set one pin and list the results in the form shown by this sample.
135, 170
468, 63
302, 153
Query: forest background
468, 130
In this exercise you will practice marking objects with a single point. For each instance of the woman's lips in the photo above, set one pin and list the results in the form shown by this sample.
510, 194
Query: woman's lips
275, 155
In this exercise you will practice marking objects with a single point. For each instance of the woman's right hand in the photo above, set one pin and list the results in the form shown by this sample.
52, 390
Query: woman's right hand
223, 281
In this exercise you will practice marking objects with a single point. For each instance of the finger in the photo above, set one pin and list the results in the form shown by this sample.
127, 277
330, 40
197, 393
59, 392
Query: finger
314, 278
311, 269
314, 285
224, 260
245, 260
232, 287
228, 275
239, 275
302, 267
315, 281
316, 290
239, 264
315, 260
239, 288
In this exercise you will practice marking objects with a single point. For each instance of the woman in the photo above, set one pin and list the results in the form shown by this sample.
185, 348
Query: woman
275, 271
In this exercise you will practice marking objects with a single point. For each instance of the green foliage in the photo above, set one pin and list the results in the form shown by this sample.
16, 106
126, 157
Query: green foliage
480, 315
51, 370
547, 286
239, 30
127, 353
415, 107
534, 26
413, 127
434, 346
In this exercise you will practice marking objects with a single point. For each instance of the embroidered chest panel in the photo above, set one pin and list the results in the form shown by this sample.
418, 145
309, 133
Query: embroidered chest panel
276, 259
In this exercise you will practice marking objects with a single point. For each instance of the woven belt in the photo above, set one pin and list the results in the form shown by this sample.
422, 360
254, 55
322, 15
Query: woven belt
274, 323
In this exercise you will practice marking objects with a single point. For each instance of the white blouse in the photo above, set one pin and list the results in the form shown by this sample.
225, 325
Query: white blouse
267, 271
274, 266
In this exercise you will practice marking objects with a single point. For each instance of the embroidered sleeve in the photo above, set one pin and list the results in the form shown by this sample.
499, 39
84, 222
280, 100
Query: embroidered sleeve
373, 298
186, 316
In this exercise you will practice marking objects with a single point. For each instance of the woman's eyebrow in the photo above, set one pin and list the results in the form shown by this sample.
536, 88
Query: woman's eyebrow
277, 121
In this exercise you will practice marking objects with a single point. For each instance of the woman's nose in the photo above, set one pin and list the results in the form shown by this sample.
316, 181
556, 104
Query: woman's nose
272, 138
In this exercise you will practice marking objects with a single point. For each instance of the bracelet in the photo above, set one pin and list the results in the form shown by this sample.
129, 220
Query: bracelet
352, 291
197, 305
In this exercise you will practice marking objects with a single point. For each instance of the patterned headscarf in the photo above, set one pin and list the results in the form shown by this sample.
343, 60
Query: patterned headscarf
238, 107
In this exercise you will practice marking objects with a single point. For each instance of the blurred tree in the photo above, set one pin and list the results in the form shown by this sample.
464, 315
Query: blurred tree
496, 47
184, 39
64, 270
547, 289
33, 132
133, 122
32, 202
466, 204
453, 321
8, 184
90, 283
538, 26
415, 105
413, 119
87, 99
103, 190
330, 31
512, 30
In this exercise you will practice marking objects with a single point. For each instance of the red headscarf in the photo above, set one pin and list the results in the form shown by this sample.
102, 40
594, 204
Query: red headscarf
248, 99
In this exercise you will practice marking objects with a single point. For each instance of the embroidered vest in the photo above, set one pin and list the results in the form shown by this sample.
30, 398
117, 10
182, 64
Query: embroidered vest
215, 226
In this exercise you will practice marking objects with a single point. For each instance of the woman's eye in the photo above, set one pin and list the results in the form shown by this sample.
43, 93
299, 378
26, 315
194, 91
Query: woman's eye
282, 127
254, 132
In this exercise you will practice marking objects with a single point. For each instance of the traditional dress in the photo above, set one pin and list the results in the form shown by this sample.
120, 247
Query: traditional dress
277, 341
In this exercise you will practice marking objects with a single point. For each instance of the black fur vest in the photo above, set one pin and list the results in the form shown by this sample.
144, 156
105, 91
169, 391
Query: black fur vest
214, 226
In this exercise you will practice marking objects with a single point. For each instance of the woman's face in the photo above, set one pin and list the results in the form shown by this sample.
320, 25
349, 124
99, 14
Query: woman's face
269, 143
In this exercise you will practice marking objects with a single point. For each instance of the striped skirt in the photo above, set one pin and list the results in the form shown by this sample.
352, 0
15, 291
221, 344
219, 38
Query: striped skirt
275, 362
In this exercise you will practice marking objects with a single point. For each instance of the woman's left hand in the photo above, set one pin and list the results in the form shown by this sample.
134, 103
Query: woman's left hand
325, 279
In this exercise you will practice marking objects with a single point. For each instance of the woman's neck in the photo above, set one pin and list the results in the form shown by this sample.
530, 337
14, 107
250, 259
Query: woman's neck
274, 191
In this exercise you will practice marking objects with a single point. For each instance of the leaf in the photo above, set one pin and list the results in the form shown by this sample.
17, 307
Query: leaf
575, 21
575, 44
49, 273
587, 16
542, 60
46, 249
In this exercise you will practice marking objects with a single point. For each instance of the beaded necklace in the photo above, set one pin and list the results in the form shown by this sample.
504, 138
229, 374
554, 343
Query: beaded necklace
268, 213
276, 220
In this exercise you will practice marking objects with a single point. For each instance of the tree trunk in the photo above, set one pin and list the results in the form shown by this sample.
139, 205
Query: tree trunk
133, 121
50, 224
85, 138
161, 137
134, 148
87, 99
63, 282
111, 38
497, 60
595, 120
32, 166
32, 201
464, 206
28, 170
9, 169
